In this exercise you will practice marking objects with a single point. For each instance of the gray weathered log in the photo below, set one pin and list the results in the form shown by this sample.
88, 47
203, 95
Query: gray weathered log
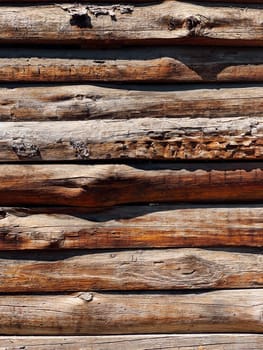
165, 269
85, 102
107, 185
141, 138
114, 313
160, 64
136, 342
166, 23
131, 227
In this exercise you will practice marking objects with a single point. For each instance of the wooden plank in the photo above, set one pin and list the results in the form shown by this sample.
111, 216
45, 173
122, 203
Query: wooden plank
107, 185
160, 64
86, 102
165, 23
131, 227
113, 313
166, 269
136, 342
138, 138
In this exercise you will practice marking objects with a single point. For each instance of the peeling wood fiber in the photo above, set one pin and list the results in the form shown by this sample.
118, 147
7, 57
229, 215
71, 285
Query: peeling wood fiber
141, 138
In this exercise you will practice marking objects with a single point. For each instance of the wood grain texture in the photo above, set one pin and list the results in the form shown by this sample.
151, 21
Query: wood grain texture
136, 342
160, 64
165, 23
108, 185
166, 269
131, 227
140, 138
86, 102
113, 313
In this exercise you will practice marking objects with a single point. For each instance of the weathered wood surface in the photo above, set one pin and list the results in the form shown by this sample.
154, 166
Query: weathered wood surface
107, 185
11, 2
160, 64
136, 342
84, 102
166, 269
166, 23
131, 227
114, 313
140, 138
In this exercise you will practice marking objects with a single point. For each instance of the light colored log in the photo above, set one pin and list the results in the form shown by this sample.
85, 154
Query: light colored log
109, 184
131, 227
113, 313
136, 342
92, 102
169, 22
166, 269
160, 64
140, 138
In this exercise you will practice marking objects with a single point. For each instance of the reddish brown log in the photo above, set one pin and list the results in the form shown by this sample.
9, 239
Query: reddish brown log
131, 227
107, 185
166, 269
160, 64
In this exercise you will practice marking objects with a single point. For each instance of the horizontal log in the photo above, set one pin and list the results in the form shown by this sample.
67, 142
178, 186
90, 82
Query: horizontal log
131, 227
140, 138
92, 102
170, 22
161, 64
108, 185
166, 269
113, 313
137, 342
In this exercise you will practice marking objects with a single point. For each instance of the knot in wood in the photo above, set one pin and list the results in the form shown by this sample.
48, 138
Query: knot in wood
86, 296
173, 23
2, 213
195, 23
79, 15
26, 150
81, 150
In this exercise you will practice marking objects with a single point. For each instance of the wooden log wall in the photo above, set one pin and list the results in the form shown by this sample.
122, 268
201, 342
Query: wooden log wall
131, 175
